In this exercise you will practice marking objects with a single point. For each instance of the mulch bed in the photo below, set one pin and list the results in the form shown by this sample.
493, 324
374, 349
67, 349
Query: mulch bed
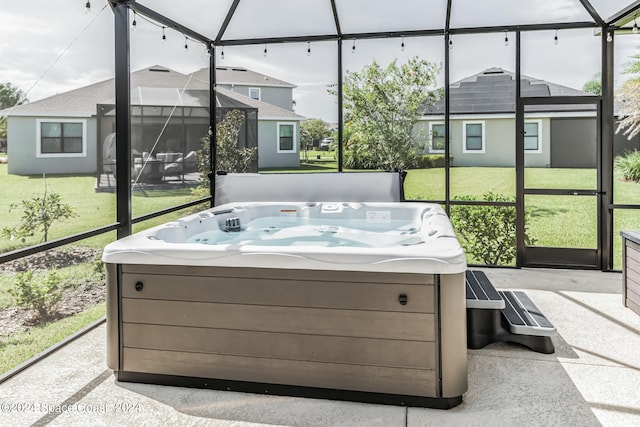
74, 300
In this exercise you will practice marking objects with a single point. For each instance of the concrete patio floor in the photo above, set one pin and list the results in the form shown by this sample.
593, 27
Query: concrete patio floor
592, 379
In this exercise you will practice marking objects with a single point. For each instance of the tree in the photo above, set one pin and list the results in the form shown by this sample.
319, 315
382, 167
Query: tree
39, 214
313, 130
384, 104
628, 99
229, 157
594, 86
10, 96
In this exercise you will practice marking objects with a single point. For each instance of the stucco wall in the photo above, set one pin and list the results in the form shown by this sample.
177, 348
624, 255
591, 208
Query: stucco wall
268, 156
22, 149
499, 143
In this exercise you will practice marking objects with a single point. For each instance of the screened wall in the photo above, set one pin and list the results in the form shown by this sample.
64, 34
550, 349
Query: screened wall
509, 126
535, 144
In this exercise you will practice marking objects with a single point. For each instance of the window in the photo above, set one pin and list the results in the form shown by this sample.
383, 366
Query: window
286, 137
436, 130
254, 93
532, 143
61, 138
473, 137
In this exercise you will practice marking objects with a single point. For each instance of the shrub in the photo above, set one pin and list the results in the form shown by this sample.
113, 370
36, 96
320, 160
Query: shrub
39, 295
487, 232
39, 213
629, 165
427, 161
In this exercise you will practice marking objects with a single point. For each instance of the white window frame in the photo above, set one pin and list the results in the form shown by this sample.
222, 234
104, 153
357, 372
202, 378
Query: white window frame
295, 137
431, 149
40, 154
464, 136
539, 149
259, 93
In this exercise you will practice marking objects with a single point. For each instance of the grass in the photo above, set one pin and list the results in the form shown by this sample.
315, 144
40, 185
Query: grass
93, 209
556, 221
22, 346
561, 221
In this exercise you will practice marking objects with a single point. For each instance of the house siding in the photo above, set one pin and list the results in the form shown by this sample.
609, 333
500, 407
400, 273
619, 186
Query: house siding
268, 156
499, 143
279, 96
22, 132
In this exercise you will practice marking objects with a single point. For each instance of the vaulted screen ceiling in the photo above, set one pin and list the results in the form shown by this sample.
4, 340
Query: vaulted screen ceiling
254, 21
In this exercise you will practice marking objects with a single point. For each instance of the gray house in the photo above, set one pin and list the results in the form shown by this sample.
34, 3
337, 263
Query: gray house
482, 125
65, 133
254, 85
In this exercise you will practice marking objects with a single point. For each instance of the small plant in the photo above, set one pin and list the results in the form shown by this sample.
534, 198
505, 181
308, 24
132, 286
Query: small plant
488, 233
98, 268
39, 295
39, 214
629, 165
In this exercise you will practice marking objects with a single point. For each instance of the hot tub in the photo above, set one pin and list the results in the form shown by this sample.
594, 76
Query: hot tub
357, 301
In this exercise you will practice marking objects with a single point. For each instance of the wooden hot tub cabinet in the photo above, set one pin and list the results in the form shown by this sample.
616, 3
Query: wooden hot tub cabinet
397, 338
631, 270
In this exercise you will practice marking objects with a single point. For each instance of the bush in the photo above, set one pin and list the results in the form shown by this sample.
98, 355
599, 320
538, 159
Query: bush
41, 296
629, 165
39, 214
427, 161
359, 156
488, 233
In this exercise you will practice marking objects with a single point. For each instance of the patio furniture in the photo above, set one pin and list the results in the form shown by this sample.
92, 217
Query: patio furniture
147, 169
503, 316
171, 164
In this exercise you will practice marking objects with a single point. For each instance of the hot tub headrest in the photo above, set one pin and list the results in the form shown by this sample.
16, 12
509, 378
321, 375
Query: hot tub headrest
310, 187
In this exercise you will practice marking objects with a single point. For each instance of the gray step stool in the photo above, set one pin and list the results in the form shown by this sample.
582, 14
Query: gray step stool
504, 316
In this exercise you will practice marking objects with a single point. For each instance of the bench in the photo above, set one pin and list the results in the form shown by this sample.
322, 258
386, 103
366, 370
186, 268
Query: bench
503, 316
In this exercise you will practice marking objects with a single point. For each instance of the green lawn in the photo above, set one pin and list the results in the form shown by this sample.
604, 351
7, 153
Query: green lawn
24, 345
563, 221
556, 221
93, 209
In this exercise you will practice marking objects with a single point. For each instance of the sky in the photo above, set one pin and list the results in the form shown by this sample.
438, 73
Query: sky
50, 47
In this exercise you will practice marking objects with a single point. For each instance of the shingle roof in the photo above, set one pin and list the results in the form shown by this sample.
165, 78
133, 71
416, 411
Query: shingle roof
199, 97
241, 76
82, 102
493, 91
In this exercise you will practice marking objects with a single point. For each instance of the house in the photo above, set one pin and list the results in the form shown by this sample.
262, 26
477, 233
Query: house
65, 133
482, 124
254, 85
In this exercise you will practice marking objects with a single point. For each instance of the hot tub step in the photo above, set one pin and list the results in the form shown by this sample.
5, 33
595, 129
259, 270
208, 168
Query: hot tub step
522, 315
480, 291
503, 316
